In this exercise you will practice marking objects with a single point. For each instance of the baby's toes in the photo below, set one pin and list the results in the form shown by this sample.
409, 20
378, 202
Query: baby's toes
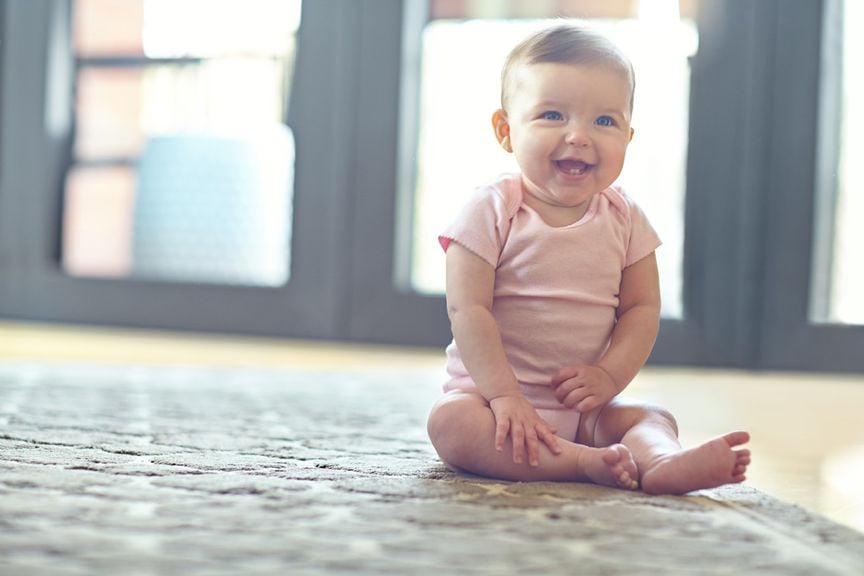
627, 482
626, 471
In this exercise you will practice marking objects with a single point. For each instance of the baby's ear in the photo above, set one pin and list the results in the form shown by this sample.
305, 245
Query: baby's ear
502, 129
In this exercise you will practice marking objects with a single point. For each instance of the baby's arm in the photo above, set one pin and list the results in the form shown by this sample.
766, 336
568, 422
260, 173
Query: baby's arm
470, 285
587, 387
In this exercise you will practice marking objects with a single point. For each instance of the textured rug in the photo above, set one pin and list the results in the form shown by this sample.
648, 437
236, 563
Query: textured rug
143, 470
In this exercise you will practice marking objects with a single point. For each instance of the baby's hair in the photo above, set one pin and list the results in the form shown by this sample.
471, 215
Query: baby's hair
567, 44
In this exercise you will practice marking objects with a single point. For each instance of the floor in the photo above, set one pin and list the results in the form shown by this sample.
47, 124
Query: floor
146, 470
807, 442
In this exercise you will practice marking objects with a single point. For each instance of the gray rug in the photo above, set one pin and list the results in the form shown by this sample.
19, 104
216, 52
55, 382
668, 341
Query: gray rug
139, 471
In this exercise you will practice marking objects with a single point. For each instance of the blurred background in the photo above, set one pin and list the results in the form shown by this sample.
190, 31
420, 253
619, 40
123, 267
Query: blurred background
280, 169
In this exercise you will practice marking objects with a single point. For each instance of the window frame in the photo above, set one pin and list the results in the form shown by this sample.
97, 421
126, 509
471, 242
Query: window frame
386, 311
805, 122
33, 285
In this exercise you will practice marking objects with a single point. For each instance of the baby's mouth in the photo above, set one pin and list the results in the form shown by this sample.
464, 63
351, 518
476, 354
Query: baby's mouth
573, 167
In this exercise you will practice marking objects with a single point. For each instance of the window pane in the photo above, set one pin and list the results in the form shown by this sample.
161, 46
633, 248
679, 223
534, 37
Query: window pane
847, 284
108, 110
462, 57
108, 27
208, 28
225, 95
98, 221
191, 110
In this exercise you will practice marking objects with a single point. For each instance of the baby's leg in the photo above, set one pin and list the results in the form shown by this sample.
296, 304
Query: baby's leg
462, 429
651, 434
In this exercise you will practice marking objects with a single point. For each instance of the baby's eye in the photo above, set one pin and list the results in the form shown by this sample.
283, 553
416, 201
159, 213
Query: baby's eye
551, 115
605, 121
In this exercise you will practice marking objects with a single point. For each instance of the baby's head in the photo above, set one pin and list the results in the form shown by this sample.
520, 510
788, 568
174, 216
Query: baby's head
566, 44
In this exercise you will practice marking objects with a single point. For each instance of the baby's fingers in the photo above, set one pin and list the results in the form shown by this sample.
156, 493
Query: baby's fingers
574, 397
548, 437
517, 433
588, 404
564, 374
562, 390
502, 429
533, 447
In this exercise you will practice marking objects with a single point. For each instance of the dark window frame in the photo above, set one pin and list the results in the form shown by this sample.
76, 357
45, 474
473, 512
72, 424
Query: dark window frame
33, 286
802, 154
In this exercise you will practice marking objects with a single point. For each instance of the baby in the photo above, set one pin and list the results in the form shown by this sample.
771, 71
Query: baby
553, 293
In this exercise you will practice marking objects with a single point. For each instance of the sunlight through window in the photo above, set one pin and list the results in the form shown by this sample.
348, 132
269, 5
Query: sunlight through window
182, 165
462, 58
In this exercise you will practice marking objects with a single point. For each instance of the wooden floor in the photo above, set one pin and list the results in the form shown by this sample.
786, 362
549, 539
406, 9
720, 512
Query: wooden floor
808, 442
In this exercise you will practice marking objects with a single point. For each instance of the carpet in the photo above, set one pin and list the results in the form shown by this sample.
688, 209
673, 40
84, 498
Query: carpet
135, 470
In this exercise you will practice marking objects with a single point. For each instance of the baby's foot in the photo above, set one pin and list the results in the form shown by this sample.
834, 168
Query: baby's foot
708, 465
611, 466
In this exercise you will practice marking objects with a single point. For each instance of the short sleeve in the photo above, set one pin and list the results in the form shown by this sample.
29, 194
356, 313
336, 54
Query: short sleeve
643, 238
483, 224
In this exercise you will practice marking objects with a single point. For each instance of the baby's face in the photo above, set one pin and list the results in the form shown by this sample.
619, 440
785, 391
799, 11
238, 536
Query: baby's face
569, 127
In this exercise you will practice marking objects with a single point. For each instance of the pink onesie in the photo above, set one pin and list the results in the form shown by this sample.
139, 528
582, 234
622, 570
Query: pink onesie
556, 289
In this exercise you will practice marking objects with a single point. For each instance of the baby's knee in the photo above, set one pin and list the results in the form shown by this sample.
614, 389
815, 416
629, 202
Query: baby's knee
446, 423
439, 421
634, 412
443, 419
659, 413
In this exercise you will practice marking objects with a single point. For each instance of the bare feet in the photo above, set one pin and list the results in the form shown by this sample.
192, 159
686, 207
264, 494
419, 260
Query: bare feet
611, 466
708, 465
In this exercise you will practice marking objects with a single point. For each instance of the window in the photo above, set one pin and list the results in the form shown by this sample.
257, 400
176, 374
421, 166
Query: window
48, 134
181, 163
811, 270
838, 279
463, 47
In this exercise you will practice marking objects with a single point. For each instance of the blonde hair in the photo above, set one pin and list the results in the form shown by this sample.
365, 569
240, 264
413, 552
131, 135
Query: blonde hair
566, 44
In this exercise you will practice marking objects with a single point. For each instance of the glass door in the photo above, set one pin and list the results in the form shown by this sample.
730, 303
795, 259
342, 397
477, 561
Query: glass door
150, 163
463, 47
181, 160
838, 274
813, 311
442, 75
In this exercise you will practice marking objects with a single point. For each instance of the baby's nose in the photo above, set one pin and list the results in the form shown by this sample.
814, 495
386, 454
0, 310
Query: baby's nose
577, 136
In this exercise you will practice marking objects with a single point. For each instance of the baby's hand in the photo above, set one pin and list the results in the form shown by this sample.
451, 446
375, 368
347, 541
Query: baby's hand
584, 387
516, 417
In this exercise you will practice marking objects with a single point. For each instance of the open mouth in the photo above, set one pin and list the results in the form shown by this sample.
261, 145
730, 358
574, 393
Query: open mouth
573, 167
